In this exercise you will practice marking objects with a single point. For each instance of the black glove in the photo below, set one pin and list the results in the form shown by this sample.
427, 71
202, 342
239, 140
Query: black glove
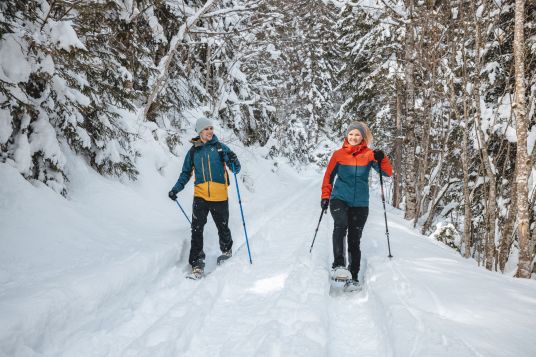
173, 195
232, 157
324, 204
378, 155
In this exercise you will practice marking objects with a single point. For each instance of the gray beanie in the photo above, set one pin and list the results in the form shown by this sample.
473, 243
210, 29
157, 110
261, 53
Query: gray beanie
201, 124
356, 125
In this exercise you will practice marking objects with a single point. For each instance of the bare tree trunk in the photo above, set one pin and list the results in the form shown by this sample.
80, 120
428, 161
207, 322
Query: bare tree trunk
532, 204
522, 158
428, 61
409, 144
532, 216
425, 151
508, 229
468, 216
397, 184
532, 249
491, 206
467, 213
435, 194
423, 166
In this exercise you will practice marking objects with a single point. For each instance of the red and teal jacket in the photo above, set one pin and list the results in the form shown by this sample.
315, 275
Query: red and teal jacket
207, 162
347, 174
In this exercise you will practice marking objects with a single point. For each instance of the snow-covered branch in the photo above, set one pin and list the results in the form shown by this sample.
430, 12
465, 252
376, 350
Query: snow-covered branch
165, 62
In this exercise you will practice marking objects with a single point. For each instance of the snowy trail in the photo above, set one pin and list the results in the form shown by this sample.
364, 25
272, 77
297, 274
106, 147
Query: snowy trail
426, 301
168, 319
280, 305
356, 327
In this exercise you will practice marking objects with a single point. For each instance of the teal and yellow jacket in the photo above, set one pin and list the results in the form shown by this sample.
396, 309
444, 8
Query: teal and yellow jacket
347, 174
207, 162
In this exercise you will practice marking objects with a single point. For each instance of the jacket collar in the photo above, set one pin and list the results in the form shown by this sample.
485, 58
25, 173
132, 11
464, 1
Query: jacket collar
354, 150
198, 143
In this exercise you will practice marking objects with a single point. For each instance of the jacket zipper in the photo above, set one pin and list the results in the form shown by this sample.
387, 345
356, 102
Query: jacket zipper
209, 172
203, 171
355, 178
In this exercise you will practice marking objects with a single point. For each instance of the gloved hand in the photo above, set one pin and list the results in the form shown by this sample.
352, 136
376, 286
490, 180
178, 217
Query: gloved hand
172, 195
232, 157
378, 155
324, 204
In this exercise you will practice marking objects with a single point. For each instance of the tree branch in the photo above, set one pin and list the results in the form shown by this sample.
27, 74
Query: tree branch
166, 60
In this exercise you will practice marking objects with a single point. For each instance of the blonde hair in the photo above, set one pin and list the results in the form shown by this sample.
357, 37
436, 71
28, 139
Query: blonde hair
362, 127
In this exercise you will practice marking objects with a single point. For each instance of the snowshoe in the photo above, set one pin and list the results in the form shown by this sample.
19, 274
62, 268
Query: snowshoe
196, 274
351, 286
340, 274
224, 256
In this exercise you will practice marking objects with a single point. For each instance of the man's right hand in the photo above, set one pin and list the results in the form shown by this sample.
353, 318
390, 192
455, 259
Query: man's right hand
172, 195
324, 204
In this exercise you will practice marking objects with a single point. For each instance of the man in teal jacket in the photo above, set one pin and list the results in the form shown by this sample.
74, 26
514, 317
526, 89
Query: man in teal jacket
207, 160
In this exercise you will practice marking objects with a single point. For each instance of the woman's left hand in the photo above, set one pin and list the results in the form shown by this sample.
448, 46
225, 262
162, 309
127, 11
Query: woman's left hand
378, 155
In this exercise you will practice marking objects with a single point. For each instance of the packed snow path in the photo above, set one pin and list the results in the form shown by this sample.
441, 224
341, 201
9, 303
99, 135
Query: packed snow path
426, 301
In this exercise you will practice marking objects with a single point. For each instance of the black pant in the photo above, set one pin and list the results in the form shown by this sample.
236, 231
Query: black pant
351, 219
220, 214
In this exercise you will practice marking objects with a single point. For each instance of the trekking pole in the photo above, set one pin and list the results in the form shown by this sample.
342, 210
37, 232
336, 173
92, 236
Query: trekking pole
185, 215
242, 213
316, 231
385, 212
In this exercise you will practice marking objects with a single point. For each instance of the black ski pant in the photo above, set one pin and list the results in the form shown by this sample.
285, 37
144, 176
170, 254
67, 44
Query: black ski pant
351, 220
220, 215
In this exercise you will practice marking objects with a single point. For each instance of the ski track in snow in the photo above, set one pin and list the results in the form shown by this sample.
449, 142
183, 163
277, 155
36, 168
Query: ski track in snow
353, 324
182, 317
209, 317
283, 304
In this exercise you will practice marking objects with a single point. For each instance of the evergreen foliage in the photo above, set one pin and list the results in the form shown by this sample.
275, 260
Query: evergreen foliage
433, 79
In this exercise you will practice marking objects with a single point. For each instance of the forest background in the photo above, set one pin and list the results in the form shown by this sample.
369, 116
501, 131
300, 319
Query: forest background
447, 86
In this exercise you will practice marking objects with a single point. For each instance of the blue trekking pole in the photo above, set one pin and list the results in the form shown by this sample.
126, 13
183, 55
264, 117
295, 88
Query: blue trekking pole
185, 215
242, 213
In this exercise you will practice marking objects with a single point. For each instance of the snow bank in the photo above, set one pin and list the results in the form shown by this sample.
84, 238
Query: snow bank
62, 261
435, 303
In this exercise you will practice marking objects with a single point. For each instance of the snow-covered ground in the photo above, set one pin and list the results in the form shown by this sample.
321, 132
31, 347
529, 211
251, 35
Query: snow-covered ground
102, 274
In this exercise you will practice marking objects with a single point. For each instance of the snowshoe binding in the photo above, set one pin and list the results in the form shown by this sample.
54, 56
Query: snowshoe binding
224, 256
197, 273
351, 286
340, 274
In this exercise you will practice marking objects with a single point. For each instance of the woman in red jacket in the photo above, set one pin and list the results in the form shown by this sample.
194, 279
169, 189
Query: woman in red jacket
345, 191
